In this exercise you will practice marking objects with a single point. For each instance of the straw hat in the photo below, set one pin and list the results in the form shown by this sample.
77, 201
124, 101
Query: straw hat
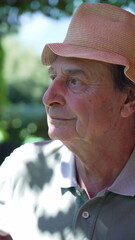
99, 32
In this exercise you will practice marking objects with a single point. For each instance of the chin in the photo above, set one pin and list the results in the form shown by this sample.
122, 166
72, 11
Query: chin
60, 135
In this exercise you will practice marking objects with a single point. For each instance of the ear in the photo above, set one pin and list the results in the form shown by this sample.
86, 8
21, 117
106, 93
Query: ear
128, 108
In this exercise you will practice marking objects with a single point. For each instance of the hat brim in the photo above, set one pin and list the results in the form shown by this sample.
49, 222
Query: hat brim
52, 50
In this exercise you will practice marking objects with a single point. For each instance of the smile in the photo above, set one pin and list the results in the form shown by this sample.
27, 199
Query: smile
57, 118
60, 119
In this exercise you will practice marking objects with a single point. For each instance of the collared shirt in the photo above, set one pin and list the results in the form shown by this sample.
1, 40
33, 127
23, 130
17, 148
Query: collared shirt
40, 198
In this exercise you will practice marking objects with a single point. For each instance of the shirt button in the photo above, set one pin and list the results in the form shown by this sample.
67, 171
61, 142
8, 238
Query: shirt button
78, 192
85, 214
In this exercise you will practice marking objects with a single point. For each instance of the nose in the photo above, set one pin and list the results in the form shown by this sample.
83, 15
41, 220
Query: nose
55, 94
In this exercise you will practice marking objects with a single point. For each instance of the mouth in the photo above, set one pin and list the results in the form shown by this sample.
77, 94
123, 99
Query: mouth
59, 118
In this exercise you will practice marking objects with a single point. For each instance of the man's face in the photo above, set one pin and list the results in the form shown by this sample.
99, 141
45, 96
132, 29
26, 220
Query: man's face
81, 102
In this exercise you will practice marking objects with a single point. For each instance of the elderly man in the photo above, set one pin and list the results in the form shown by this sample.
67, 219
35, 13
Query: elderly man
81, 185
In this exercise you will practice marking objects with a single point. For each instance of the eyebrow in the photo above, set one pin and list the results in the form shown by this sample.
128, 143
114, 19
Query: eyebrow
74, 71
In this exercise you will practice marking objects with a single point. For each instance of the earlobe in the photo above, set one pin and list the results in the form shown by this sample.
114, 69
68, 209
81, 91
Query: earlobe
128, 109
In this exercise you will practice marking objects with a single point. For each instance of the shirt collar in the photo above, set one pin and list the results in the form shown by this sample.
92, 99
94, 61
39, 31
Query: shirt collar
124, 184
68, 170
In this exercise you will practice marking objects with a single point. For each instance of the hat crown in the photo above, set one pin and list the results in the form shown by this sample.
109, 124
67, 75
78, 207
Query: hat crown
101, 32
103, 26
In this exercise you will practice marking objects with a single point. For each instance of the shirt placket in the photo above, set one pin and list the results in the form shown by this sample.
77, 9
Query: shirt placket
86, 217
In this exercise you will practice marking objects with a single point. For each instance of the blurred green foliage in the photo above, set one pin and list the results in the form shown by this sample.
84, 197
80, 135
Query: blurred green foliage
22, 118
23, 79
2, 87
26, 77
10, 10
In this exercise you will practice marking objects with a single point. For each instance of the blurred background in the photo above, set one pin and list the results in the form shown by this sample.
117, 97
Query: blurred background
25, 27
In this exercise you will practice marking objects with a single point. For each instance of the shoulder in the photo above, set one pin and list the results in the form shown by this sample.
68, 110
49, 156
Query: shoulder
30, 154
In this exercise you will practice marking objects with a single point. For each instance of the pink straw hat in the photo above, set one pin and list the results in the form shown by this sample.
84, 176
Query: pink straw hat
100, 32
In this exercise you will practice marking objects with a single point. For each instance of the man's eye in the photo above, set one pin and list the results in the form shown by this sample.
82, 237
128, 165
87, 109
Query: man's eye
74, 82
76, 86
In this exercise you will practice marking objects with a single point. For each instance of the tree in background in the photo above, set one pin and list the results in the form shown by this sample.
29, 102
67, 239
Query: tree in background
26, 79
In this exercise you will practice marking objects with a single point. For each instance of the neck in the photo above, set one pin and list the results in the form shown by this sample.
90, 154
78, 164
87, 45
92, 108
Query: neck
98, 165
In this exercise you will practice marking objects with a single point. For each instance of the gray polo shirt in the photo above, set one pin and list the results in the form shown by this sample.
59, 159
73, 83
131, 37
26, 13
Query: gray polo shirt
40, 198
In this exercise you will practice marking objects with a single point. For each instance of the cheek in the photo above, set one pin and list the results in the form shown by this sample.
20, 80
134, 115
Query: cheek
82, 112
109, 107
96, 111
103, 114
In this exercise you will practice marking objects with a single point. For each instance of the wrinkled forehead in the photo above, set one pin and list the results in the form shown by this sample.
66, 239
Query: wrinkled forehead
79, 63
90, 69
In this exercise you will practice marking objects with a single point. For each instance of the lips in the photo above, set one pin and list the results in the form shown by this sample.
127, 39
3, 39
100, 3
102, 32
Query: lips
60, 118
56, 113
